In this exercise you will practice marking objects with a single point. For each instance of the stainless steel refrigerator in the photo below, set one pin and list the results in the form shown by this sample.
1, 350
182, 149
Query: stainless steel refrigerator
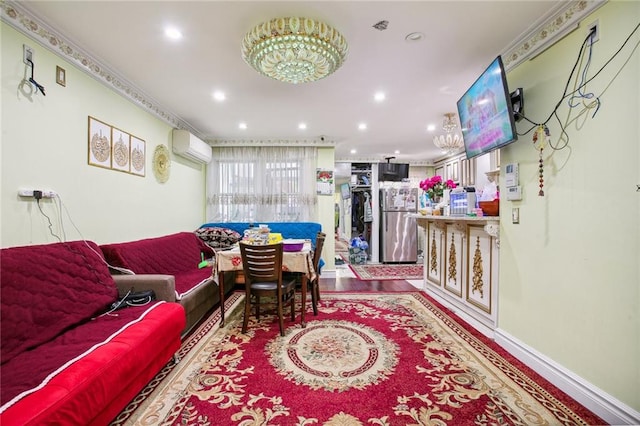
398, 230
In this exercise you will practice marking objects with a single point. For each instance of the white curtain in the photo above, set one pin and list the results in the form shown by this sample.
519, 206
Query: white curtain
262, 184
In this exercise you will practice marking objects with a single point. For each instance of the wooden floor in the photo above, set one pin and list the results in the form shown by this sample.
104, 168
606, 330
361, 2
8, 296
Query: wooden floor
354, 284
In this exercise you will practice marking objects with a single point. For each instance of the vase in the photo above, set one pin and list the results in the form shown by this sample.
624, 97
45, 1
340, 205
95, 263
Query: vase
436, 199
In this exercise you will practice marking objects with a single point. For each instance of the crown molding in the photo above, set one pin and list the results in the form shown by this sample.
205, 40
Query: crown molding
17, 16
549, 30
320, 142
546, 31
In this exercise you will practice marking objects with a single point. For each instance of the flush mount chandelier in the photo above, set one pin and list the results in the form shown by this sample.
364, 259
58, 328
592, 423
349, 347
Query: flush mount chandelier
449, 143
294, 50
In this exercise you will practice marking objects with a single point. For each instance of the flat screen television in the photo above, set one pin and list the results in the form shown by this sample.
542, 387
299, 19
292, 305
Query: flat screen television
392, 172
486, 112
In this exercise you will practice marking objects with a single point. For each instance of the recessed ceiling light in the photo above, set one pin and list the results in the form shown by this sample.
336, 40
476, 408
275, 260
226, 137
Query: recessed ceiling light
219, 96
417, 36
172, 33
379, 96
353, 151
242, 125
362, 126
302, 126
397, 151
431, 127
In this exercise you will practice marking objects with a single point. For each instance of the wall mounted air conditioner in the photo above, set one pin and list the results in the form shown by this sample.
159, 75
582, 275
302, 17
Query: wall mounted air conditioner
189, 146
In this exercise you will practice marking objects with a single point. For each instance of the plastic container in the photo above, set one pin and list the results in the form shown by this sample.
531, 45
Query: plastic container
292, 245
490, 208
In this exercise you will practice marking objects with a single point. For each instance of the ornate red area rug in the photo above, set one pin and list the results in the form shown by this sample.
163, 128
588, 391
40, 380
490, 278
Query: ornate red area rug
370, 272
342, 247
365, 359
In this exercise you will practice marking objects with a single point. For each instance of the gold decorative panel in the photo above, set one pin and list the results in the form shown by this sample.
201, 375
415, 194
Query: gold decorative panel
482, 270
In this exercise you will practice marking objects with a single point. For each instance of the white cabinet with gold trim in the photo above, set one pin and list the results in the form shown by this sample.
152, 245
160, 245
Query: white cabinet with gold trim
434, 240
461, 264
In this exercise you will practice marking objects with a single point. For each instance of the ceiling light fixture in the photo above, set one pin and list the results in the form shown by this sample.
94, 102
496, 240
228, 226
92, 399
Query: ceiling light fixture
219, 96
173, 33
294, 50
449, 143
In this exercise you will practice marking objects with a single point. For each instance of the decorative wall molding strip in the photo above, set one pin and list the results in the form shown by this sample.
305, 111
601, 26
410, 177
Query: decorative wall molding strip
15, 15
551, 30
319, 142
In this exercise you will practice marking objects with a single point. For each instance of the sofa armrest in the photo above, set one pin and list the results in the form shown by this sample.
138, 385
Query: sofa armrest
164, 286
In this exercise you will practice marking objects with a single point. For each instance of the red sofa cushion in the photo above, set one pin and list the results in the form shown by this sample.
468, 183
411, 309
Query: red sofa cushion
123, 353
176, 254
169, 254
47, 289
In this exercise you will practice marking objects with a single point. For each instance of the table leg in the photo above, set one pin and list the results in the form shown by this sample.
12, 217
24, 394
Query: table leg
303, 322
221, 288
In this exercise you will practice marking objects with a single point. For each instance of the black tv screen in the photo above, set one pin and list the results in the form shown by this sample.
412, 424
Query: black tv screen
392, 172
486, 113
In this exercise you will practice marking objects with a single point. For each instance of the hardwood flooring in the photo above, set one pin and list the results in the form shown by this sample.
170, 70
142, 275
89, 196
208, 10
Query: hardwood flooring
354, 284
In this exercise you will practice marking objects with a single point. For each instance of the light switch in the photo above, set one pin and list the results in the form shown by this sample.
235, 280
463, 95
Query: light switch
515, 215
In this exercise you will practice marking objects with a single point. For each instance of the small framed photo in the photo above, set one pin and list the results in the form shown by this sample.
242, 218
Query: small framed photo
61, 76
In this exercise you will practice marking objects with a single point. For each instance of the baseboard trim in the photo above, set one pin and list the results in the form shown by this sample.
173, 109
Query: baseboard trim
328, 273
482, 328
604, 405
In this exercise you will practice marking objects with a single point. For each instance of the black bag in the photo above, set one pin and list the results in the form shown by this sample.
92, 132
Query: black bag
139, 298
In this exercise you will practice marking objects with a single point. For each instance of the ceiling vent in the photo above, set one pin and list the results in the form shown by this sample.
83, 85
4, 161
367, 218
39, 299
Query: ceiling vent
189, 146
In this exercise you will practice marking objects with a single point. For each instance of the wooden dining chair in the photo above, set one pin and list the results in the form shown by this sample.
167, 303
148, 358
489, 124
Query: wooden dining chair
264, 283
313, 286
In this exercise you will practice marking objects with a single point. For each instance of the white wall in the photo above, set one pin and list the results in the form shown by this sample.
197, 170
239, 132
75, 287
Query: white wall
569, 272
326, 211
44, 145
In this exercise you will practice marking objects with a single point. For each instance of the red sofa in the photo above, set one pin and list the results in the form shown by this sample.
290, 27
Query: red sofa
172, 260
62, 360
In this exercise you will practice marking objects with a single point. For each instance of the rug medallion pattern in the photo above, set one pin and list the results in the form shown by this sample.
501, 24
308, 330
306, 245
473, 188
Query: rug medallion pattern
366, 359
334, 355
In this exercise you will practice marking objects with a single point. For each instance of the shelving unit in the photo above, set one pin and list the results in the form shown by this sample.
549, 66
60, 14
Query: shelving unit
361, 194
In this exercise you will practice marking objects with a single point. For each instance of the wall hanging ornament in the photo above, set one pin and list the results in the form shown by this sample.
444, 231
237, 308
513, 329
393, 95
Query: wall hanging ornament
540, 139
161, 163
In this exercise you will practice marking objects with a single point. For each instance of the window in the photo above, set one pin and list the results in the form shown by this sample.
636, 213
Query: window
261, 184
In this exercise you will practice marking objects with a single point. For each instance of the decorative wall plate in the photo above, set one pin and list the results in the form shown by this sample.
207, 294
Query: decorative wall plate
161, 163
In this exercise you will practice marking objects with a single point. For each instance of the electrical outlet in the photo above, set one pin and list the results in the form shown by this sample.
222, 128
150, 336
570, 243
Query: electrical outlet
27, 54
46, 193
595, 27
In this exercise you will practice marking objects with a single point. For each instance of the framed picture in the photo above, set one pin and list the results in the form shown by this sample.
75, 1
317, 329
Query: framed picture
138, 156
61, 76
324, 182
121, 150
99, 143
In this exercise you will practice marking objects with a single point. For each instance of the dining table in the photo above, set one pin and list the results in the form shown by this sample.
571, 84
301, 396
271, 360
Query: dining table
300, 261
